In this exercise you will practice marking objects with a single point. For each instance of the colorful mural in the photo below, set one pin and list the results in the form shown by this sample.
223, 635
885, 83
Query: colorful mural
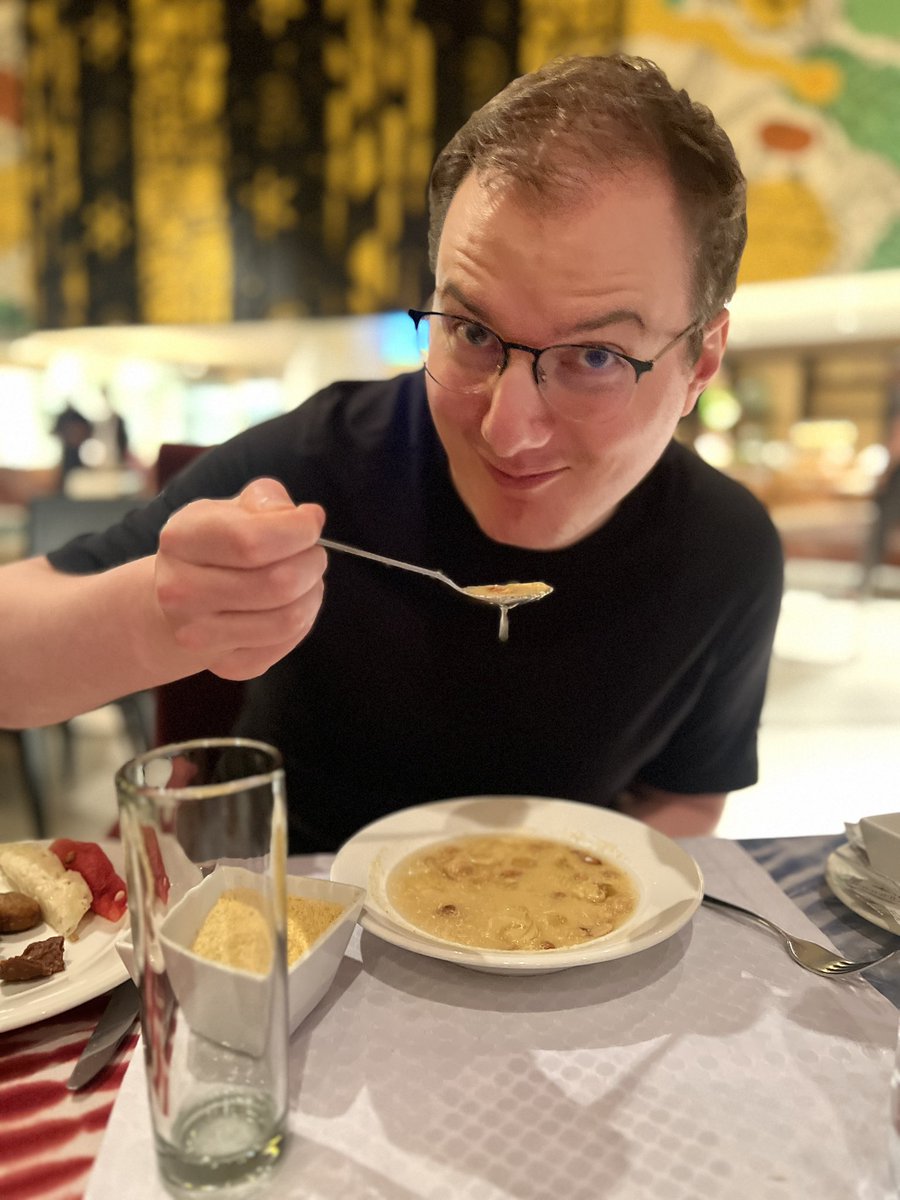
809, 91
218, 160
16, 290
192, 163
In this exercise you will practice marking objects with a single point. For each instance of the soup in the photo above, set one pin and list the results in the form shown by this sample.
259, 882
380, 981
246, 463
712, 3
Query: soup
511, 892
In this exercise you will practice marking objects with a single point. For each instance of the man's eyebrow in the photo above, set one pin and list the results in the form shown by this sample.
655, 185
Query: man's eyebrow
451, 291
618, 316
597, 321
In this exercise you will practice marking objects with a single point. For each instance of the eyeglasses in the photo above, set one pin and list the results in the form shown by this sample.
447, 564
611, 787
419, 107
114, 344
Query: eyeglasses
578, 382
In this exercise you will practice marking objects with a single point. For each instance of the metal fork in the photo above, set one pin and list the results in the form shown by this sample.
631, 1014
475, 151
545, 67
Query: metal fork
809, 955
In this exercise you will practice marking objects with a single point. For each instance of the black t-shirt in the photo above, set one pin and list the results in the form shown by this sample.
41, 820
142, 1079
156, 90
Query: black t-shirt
648, 662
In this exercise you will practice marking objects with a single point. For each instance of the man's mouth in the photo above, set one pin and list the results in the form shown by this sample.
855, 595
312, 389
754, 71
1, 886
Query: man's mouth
522, 481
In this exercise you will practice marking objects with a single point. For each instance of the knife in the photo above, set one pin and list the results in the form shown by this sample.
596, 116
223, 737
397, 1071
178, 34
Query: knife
119, 1016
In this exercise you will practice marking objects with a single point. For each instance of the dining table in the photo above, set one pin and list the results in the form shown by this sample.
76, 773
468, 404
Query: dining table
707, 1066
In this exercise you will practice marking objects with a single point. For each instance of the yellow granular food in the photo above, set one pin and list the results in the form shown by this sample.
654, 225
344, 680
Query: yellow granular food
235, 932
307, 920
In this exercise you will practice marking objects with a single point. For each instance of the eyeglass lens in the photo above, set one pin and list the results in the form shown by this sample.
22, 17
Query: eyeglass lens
463, 356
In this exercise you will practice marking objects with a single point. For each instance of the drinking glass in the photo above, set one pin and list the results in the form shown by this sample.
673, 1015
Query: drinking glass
204, 830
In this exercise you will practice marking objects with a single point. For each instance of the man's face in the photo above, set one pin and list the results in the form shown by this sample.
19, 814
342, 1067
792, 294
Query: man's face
613, 269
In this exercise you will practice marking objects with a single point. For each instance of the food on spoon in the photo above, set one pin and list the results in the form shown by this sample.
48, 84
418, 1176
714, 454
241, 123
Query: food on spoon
235, 932
511, 892
108, 893
507, 596
37, 961
18, 912
63, 895
509, 593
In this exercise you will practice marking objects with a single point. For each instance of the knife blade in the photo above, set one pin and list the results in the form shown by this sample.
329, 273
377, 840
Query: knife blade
118, 1017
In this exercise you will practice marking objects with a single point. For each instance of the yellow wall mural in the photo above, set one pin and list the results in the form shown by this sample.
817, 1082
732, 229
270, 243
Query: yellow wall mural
809, 91
179, 63
379, 141
549, 28
172, 162
16, 288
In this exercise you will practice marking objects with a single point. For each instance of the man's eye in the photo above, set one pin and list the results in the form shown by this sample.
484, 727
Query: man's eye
475, 335
590, 360
597, 357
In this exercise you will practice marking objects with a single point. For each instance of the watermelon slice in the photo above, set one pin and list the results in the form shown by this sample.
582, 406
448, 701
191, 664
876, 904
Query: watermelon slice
90, 861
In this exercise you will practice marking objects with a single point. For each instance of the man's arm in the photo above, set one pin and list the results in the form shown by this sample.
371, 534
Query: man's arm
69, 643
673, 813
234, 586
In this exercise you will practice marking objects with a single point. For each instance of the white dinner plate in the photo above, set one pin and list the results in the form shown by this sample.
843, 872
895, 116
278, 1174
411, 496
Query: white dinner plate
93, 965
669, 881
851, 881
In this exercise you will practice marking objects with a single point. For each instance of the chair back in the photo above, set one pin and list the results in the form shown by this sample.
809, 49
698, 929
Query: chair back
55, 520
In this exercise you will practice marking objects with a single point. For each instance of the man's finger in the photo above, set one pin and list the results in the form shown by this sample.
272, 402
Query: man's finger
261, 525
263, 494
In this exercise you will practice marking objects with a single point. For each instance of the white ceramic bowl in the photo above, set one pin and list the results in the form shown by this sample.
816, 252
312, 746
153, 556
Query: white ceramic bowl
223, 1003
669, 882
310, 977
881, 836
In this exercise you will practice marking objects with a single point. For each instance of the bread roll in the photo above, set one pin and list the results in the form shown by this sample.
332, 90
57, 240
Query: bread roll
63, 895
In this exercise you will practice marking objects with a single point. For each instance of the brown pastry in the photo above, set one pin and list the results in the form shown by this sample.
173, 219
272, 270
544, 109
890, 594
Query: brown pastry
18, 912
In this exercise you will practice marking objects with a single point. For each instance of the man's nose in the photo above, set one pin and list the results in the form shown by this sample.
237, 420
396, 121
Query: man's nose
518, 417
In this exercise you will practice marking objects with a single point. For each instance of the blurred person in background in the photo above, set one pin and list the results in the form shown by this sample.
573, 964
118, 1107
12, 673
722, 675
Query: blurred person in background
886, 497
73, 429
586, 227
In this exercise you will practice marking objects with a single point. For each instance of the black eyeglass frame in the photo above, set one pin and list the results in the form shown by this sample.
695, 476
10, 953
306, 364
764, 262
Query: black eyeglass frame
640, 366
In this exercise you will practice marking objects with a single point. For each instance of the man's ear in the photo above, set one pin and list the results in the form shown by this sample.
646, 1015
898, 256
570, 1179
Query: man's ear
715, 335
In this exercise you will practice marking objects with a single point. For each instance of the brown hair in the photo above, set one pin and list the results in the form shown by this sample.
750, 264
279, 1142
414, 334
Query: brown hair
552, 131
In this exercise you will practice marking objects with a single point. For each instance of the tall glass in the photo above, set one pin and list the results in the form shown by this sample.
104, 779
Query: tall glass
204, 829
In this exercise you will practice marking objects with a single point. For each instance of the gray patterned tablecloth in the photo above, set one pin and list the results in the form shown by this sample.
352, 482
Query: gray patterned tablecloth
707, 1067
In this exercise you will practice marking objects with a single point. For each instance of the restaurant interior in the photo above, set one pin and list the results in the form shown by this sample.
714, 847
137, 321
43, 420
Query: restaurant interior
209, 210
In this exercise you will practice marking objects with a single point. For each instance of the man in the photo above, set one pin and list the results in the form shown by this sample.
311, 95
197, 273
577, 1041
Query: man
586, 230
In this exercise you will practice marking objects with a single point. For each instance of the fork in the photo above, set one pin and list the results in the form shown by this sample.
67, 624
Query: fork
809, 955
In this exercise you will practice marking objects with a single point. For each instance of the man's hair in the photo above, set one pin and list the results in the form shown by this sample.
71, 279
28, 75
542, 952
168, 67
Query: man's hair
553, 131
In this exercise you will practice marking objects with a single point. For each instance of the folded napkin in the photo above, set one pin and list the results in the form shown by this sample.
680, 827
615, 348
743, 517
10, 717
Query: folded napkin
851, 873
858, 876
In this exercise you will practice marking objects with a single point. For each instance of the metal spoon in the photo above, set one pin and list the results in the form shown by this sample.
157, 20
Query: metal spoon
504, 595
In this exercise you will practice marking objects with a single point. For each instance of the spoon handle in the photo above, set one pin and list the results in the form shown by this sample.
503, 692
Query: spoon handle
388, 562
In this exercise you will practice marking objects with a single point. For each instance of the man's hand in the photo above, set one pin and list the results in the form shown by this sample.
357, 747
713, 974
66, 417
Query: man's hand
239, 582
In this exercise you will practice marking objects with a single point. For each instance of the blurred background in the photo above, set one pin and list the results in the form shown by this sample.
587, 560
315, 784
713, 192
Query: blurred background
210, 209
